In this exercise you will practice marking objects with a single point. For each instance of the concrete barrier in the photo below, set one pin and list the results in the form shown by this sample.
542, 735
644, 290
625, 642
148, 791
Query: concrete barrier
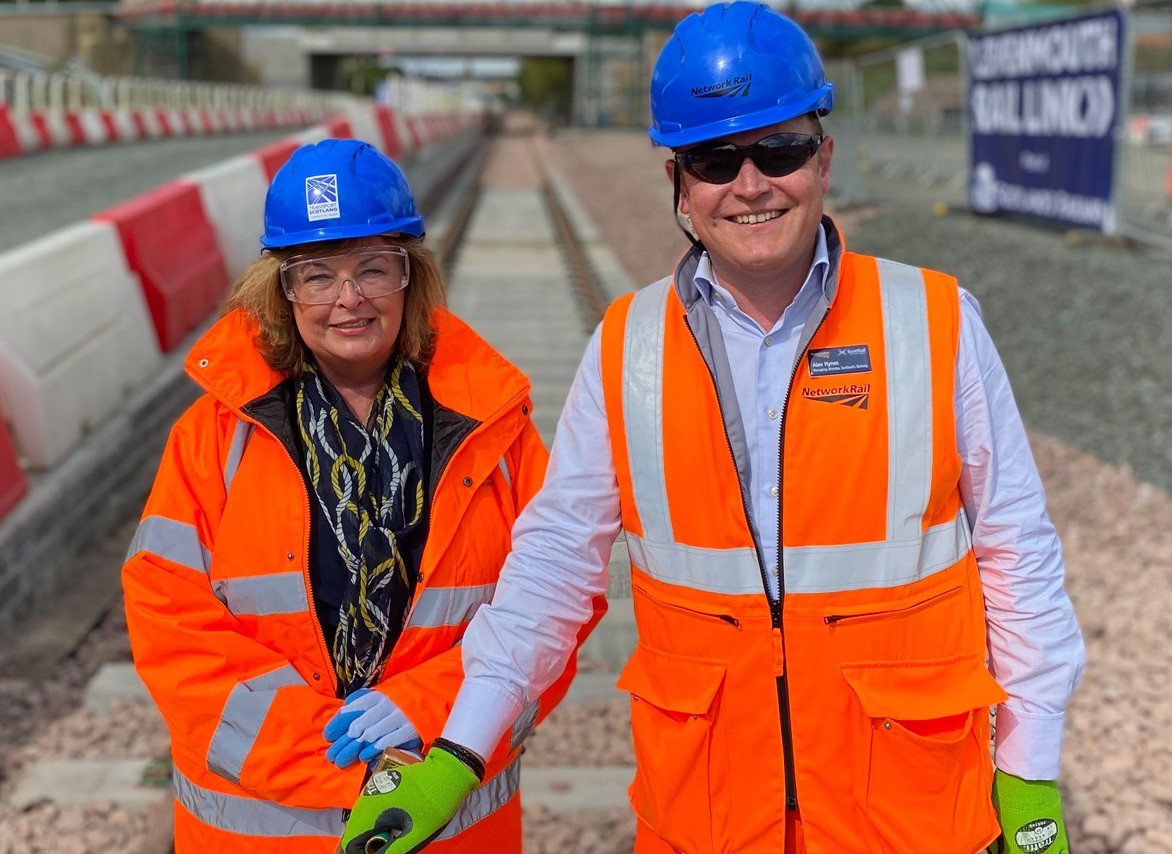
170, 243
13, 483
233, 195
75, 339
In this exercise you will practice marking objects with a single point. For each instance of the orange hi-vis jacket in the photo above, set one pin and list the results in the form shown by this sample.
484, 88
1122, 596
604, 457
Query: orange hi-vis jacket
220, 612
860, 700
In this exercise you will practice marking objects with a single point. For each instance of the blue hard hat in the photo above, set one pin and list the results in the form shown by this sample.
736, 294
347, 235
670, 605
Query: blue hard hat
734, 67
335, 189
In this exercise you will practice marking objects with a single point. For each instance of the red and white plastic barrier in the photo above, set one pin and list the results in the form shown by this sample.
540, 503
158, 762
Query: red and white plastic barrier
170, 243
75, 338
59, 110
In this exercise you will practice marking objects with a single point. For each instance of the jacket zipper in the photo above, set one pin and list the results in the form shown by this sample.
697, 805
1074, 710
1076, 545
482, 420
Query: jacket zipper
791, 781
787, 741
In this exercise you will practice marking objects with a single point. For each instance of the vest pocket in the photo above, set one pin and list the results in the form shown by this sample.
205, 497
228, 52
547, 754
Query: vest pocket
925, 772
678, 765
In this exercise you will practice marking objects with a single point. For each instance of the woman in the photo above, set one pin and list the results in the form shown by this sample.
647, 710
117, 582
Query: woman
326, 519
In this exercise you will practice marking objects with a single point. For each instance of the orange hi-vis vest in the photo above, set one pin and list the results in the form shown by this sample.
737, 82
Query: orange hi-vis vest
221, 617
860, 700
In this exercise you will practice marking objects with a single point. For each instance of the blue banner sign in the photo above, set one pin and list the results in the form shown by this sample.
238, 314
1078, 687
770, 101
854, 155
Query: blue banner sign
1043, 108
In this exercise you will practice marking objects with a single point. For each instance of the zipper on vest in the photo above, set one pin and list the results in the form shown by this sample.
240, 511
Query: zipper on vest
787, 740
835, 619
710, 615
787, 735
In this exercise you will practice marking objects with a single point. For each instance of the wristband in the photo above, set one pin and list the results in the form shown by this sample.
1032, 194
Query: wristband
475, 763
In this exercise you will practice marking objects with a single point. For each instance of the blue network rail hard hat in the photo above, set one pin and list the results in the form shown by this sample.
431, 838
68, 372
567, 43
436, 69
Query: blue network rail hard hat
335, 189
734, 67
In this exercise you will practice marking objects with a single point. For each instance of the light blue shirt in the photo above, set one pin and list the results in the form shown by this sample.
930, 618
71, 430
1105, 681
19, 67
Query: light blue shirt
517, 646
761, 392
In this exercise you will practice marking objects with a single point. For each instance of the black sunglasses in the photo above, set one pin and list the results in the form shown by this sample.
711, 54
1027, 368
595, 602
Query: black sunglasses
775, 156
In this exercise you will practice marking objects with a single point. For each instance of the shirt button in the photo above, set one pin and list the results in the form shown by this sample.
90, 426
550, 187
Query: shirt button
774, 491
772, 413
768, 340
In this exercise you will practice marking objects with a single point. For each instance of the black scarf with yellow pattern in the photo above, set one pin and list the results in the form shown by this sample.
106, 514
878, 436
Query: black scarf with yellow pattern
369, 483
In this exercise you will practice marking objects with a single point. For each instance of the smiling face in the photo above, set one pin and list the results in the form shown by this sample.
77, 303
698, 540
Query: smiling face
760, 231
353, 337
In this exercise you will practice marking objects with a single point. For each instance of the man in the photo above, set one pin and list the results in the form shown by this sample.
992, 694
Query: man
833, 516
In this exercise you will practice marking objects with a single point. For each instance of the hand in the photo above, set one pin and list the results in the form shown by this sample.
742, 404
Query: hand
1030, 812
406, 807
366, 725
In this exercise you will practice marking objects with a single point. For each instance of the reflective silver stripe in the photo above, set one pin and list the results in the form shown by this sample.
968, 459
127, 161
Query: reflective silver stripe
718, 570
448, 606
241, 720
909, 400
486, 800
250, 817
263, 595
831, 569
240, 438
505, 471
809, 569
643, 408
524, 724
177, 542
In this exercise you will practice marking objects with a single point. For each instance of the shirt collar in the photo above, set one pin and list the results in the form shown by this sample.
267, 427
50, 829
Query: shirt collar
710, 288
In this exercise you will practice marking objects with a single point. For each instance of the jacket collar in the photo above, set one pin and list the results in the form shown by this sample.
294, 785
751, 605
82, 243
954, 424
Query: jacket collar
465, 374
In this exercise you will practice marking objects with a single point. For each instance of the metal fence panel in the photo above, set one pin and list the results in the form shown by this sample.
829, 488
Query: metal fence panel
1144, 190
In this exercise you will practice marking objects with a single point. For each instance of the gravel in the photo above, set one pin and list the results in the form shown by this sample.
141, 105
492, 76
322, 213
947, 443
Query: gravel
1082, 331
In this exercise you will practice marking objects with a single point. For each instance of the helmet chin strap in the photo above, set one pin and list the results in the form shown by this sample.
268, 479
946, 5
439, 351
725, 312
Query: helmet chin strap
675, 201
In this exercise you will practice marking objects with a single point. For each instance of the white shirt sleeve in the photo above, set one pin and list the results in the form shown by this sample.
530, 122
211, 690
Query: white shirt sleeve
517, 646
1035, 646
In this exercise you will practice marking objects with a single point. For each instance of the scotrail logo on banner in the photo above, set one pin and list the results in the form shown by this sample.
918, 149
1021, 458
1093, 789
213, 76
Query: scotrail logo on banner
1044, 103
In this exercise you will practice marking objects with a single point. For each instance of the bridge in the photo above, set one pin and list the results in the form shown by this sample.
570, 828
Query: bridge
837, 22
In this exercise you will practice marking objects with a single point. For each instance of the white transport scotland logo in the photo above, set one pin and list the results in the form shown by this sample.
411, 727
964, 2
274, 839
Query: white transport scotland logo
321, 197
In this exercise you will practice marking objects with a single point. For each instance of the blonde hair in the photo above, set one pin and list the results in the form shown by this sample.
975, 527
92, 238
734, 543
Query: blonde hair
258, 294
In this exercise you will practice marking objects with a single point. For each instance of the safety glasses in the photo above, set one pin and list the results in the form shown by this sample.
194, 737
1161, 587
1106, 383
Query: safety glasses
775, 156
319, 280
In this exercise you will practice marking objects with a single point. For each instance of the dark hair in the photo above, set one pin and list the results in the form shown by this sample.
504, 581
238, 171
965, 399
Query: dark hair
258, 294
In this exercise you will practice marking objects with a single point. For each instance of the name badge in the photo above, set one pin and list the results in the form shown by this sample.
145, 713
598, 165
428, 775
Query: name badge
829, 361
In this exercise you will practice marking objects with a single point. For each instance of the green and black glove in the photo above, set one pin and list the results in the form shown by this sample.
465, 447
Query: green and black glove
402, 809
1030, 812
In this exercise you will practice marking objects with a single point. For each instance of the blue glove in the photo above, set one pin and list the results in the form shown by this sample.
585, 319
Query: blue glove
366, 725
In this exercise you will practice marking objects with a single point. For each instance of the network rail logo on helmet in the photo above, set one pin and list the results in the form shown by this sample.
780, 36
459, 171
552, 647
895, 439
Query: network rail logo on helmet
731, 88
